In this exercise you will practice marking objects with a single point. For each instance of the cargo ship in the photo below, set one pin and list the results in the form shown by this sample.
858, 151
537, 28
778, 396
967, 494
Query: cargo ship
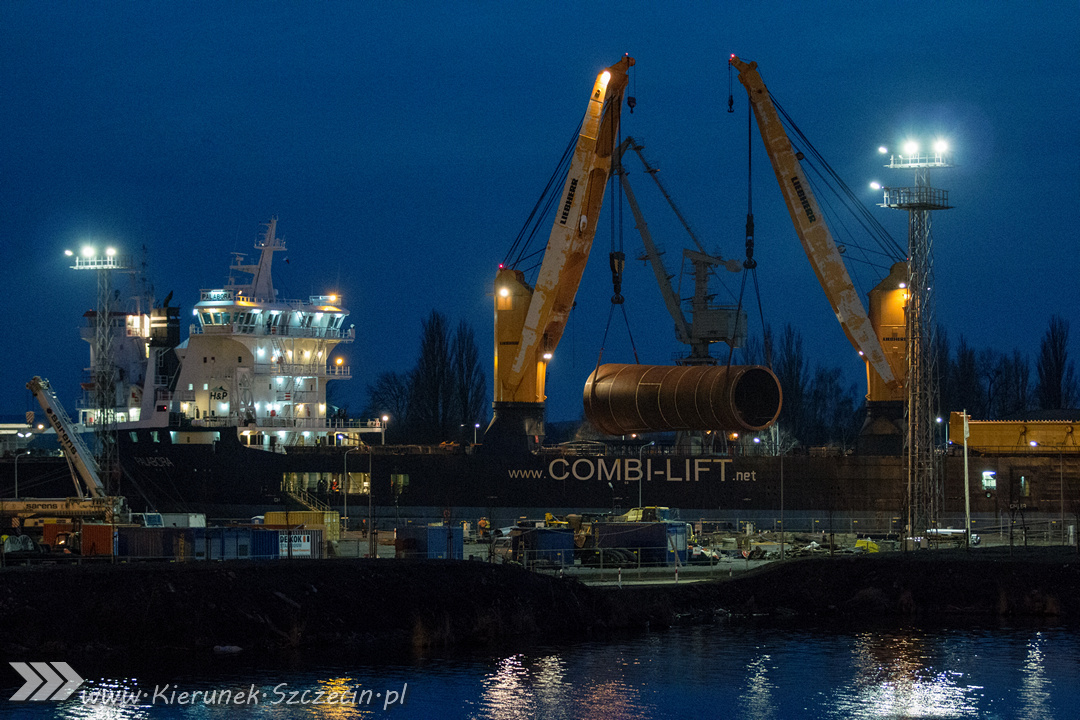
234, 422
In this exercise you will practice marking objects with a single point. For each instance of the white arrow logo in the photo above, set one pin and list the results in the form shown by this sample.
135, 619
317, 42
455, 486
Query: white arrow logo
43, 678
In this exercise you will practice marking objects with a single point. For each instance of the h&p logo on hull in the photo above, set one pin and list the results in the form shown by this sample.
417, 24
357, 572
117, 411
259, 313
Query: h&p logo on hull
46, 681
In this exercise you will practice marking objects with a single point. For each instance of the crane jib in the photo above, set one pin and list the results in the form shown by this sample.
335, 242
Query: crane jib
569, 201
802, 198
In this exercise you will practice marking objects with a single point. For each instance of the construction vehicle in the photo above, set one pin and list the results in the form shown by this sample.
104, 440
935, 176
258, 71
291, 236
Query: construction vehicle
529, 320
91, 502
878, 336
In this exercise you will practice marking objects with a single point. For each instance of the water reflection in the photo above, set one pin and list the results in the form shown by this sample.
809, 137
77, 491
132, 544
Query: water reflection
545, 688
757, 698
1034, 687
896, 676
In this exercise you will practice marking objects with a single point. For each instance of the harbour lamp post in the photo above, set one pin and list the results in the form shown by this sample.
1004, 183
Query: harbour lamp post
476, 429
612, 497
641, 469
370, 516
345, 484
17, 456
385, 419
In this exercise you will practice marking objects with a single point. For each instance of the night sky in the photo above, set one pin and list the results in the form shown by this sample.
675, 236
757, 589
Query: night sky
403, 145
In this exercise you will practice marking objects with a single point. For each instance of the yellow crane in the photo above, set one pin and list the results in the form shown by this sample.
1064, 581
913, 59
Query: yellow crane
529, 320
878, 336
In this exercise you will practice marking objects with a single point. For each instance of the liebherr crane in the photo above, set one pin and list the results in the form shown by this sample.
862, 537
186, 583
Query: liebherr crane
880, 347
529, 320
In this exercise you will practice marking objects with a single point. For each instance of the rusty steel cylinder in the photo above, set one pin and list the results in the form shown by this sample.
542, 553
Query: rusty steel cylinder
623, 399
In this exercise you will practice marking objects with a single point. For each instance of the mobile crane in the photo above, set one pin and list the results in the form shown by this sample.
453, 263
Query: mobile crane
91, 501
877, 336
529, 320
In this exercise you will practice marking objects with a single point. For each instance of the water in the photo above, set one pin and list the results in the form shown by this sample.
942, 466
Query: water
726, 671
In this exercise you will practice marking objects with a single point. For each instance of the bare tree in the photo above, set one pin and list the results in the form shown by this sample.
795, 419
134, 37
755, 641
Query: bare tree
1057, 388
430, 396
793, 370
964, 379
467, 377
389, 395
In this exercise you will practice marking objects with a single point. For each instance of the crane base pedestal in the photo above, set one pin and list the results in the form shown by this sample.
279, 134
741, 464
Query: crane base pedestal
883, 431
516, 427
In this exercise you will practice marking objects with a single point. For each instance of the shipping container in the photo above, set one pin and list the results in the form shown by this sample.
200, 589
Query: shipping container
141, 543
430, 542
222, 543
183, 520
543, 546
265, 544
330, 520
91, 539
300, 544
655, 543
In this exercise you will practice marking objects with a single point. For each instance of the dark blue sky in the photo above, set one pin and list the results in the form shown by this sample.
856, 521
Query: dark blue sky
402, 146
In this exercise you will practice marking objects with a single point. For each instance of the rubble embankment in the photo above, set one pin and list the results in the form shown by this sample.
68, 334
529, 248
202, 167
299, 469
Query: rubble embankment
367, 605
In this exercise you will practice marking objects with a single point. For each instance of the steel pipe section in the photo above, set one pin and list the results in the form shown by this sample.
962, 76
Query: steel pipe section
623, 399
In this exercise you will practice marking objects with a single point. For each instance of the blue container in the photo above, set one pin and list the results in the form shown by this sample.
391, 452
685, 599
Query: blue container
225, 543
545, 546
265, 544
430, 542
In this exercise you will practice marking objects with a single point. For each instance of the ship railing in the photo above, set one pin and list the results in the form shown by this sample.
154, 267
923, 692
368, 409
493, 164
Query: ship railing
285, 331
305, 369
305, 498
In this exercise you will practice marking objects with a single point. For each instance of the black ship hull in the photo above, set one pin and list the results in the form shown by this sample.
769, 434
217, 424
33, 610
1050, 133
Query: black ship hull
225, 479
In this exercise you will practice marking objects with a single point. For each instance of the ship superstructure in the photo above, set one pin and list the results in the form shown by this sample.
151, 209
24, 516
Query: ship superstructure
254, 363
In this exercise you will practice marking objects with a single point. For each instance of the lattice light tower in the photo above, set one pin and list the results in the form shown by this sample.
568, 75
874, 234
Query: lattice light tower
103, 365
922, 463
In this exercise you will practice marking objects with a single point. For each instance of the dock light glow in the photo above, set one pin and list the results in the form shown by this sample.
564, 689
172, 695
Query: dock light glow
911, 147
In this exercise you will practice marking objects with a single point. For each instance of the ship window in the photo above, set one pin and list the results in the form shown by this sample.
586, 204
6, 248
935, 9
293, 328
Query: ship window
207, 319
239, 359
134, 436
1025, 487
155, 436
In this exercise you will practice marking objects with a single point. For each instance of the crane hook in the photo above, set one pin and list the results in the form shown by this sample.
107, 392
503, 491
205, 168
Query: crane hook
617, 260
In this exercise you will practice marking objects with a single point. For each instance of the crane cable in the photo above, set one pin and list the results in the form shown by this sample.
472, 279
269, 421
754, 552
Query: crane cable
750, 264
617, 258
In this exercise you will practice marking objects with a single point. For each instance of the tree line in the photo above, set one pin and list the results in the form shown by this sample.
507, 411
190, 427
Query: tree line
820, 409
443, 396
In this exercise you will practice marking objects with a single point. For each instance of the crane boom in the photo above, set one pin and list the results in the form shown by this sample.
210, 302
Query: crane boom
814, 234
80, 460
529, 321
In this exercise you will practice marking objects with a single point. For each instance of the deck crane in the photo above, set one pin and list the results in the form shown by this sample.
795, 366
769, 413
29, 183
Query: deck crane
874, 336
708, 323
529, 320
91, 500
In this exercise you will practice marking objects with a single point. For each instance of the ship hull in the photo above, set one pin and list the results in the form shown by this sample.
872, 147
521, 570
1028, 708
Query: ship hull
845, 493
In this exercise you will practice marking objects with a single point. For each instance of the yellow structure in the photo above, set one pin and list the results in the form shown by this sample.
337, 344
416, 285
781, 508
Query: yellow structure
1015, 437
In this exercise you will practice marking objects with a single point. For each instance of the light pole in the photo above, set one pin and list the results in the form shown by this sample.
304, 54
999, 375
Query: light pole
641, 469
370, 516
385, 419
345, 484
476, 429
17, 456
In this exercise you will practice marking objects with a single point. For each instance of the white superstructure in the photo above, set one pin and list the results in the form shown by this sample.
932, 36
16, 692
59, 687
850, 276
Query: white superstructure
254, 363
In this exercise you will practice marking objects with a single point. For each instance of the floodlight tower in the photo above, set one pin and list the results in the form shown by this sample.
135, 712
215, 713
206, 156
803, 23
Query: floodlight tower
924, 485
102, 361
